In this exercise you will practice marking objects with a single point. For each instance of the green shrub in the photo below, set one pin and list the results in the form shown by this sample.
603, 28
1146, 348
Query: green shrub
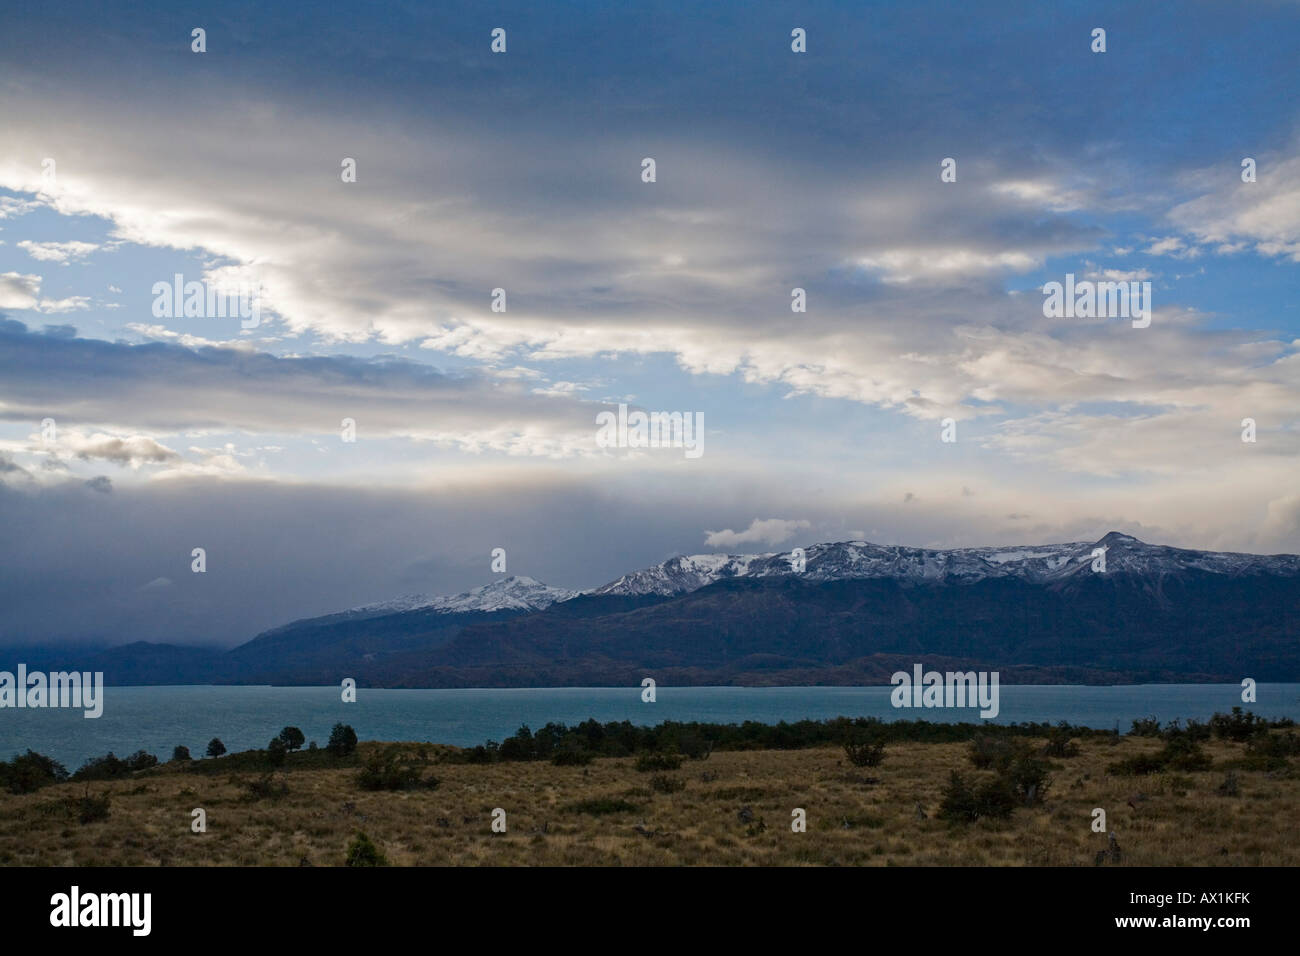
277, 752
91, 808
27, 773
1146, 727
865, 752
107, 767
363, 852
215, 747
1239, 725
343, 740
1027, 778
180, 753
292, 737
1061, 744
987, 753
141, 760
1183, 753
1180, 753
391, 770
572, 758
648, 763
964, 803
1139, 765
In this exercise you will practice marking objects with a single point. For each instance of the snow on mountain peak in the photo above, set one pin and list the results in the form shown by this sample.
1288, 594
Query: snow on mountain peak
862, 559
514, 593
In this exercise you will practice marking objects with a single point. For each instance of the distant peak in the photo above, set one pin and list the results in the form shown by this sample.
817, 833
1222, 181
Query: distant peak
1118, 537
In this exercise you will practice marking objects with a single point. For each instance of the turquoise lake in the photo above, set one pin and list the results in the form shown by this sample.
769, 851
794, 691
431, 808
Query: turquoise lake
158, 718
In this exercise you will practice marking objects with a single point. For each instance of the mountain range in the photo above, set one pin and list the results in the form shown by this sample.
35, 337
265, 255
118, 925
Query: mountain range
849, 613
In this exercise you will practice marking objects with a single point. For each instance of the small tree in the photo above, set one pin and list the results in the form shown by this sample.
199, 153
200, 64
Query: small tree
215, 747
363, 852
31, 771
141, 760
293, 738
865, 752
181, 752
276, 751
343, 740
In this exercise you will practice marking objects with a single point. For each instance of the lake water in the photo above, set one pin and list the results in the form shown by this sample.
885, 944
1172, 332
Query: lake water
158, 718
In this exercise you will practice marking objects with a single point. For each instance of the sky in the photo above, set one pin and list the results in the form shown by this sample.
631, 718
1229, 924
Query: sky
128, 438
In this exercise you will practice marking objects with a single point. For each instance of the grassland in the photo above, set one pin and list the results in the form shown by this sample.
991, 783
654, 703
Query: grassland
734, 808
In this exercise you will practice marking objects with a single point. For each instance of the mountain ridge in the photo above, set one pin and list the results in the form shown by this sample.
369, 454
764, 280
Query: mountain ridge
1039, 611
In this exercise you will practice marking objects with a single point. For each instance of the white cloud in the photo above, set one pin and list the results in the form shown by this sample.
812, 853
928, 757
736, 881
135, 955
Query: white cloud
18, 291
61, 252
760, 531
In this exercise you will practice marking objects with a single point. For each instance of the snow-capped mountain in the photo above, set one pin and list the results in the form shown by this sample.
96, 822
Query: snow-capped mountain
515, 593
849, 560
854, 613
853, 560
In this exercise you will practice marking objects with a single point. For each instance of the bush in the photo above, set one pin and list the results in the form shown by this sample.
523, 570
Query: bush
1138, 765
92, 809
987, 753
1238, 725
964, 803
215, 747
1195, 731
521, 746
865, 753
1146, 727
1061, 744
343, 740
1180, 753
292, 737
1027, 778
27, 773
647, 763
662, 783
1183, 753
277, 751
363, 852
107, 767
391, 771
180, 753
480, 754
1269, 752
572, 758
140, 760
267, 787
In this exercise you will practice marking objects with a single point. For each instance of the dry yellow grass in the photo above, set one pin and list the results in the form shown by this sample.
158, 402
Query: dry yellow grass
855, 816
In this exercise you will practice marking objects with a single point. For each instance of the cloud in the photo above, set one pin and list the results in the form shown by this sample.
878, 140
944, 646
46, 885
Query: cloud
1264, 215
1170, 246
166, 388
132, 451
74, 303
18, 291
60, 252
760, 531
